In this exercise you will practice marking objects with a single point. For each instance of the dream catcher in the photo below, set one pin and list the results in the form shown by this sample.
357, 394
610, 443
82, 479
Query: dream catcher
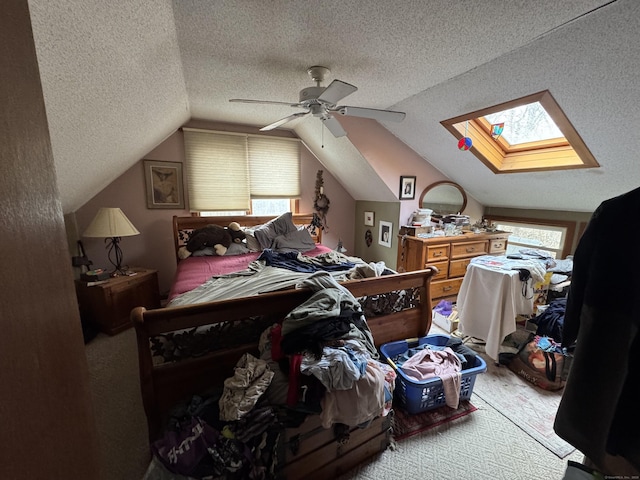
320, 205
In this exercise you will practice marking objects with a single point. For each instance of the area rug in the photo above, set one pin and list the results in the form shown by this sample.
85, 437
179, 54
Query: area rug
406, 425
527, 406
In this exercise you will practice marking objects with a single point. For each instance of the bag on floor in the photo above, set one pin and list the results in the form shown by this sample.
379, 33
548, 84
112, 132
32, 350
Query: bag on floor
542, 362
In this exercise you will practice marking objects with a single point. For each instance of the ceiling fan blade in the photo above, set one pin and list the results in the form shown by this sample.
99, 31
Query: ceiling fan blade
336, 91
333, 125
382, 115
267, 102
282, 121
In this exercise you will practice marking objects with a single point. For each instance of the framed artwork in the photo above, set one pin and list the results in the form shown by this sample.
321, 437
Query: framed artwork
407, 188
384, 238
164, 184
369, 218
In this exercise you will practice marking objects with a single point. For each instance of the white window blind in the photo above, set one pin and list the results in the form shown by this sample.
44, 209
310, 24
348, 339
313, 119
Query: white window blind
217, 171
274, 167
226, 170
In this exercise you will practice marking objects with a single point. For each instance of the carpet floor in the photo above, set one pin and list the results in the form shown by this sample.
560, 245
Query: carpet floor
529, 407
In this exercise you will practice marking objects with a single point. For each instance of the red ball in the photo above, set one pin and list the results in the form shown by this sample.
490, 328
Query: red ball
465, 143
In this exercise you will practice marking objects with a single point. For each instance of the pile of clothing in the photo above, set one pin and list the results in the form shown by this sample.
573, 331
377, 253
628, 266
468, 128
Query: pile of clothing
321, 359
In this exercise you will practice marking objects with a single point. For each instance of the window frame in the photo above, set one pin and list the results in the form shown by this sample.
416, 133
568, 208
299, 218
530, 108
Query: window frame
570, 227
500, 157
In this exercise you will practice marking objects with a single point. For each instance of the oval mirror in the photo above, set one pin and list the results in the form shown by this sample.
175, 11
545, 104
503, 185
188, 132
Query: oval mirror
444, 198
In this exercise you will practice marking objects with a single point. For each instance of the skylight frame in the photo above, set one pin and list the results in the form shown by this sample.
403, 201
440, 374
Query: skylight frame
569, 152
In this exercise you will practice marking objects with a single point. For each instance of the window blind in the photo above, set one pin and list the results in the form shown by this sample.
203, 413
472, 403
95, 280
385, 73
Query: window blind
217, 171
226, 170
274, 167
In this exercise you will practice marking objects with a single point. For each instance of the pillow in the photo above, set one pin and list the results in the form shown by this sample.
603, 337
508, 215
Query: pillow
252, 242
296, 241
237, 249
266, 233
234, 249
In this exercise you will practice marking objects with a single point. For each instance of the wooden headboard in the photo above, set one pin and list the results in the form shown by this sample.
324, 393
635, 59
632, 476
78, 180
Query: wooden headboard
182, 226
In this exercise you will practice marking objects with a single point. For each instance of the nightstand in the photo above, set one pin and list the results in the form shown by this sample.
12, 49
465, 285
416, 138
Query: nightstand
109, 304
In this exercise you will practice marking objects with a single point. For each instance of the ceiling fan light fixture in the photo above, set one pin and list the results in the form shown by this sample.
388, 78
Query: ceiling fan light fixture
322, 102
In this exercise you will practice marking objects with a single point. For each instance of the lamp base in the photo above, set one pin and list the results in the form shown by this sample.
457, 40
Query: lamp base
115, 257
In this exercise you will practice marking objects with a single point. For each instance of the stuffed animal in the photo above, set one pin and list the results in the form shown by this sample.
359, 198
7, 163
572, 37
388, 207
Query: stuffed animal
215, 236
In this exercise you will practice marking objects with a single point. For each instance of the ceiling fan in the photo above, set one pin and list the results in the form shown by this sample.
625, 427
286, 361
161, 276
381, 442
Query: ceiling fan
322, 102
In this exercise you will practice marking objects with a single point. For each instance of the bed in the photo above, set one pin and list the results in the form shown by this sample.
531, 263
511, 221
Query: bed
185, 350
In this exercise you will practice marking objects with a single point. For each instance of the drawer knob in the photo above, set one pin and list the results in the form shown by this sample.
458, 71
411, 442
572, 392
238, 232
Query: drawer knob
498, 245
446, 289
471, 249
437, 254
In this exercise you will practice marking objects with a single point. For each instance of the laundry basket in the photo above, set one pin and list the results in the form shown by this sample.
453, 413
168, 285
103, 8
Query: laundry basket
415, 396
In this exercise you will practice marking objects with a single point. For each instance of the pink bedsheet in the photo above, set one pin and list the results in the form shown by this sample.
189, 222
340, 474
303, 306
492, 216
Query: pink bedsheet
194, 271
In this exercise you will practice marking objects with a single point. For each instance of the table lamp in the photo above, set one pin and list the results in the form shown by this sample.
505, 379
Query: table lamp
111, 224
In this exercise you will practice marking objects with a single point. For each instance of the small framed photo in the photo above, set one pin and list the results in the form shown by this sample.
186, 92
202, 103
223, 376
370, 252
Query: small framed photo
164, 184
369, 219
386, 229
407, 188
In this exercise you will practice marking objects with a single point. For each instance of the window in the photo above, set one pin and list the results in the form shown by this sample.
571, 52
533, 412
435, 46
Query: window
537, 136
226, 171
260, 207
549, 238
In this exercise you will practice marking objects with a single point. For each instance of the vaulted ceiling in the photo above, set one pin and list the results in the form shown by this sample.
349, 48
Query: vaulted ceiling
120, 76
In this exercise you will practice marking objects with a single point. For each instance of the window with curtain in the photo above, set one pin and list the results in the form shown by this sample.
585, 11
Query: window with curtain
225, 171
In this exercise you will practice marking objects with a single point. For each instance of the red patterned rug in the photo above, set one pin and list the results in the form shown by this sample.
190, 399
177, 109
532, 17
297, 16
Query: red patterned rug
406, 425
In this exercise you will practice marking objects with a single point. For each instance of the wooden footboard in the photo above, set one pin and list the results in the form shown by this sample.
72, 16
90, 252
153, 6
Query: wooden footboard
176, 363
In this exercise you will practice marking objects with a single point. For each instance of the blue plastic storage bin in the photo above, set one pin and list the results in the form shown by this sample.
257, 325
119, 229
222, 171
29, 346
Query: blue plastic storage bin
419, 396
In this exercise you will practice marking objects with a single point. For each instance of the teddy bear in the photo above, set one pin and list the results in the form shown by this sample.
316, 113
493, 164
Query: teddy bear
215, 236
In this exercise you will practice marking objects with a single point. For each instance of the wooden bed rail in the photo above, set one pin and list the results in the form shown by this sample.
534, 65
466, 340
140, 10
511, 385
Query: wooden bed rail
164, 385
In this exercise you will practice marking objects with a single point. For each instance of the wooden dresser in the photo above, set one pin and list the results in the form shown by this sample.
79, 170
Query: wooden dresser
450, 255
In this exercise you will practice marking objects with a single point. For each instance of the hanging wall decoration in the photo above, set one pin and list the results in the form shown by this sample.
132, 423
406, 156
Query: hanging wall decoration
368, 238
496, 130
320, 204
465, 142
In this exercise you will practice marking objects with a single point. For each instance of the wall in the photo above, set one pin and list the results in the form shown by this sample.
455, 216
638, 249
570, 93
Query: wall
375, 252
48, 423
154, 248
391, 158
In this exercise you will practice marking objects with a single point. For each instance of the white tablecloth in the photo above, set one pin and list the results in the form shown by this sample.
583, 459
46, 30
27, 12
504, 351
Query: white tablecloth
488, 302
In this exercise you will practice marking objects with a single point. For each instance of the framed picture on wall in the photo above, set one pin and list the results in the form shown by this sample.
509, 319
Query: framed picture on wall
384, 238
407, 188
164, 184
369, 218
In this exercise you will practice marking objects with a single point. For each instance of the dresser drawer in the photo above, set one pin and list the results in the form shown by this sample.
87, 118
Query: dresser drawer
445, 288
468, 249
497, 245
436, 253
457, 268
442, 270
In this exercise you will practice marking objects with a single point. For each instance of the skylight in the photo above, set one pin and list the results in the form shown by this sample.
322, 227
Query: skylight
524, 135
525, 123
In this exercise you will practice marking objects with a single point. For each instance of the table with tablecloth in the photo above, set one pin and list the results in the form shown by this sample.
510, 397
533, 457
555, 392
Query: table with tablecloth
488, 302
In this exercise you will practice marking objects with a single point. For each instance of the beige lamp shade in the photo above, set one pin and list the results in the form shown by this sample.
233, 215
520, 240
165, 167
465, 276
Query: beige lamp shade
110, 222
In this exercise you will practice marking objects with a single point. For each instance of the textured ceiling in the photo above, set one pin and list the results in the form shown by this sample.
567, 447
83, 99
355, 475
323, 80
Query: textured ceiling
120, 76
